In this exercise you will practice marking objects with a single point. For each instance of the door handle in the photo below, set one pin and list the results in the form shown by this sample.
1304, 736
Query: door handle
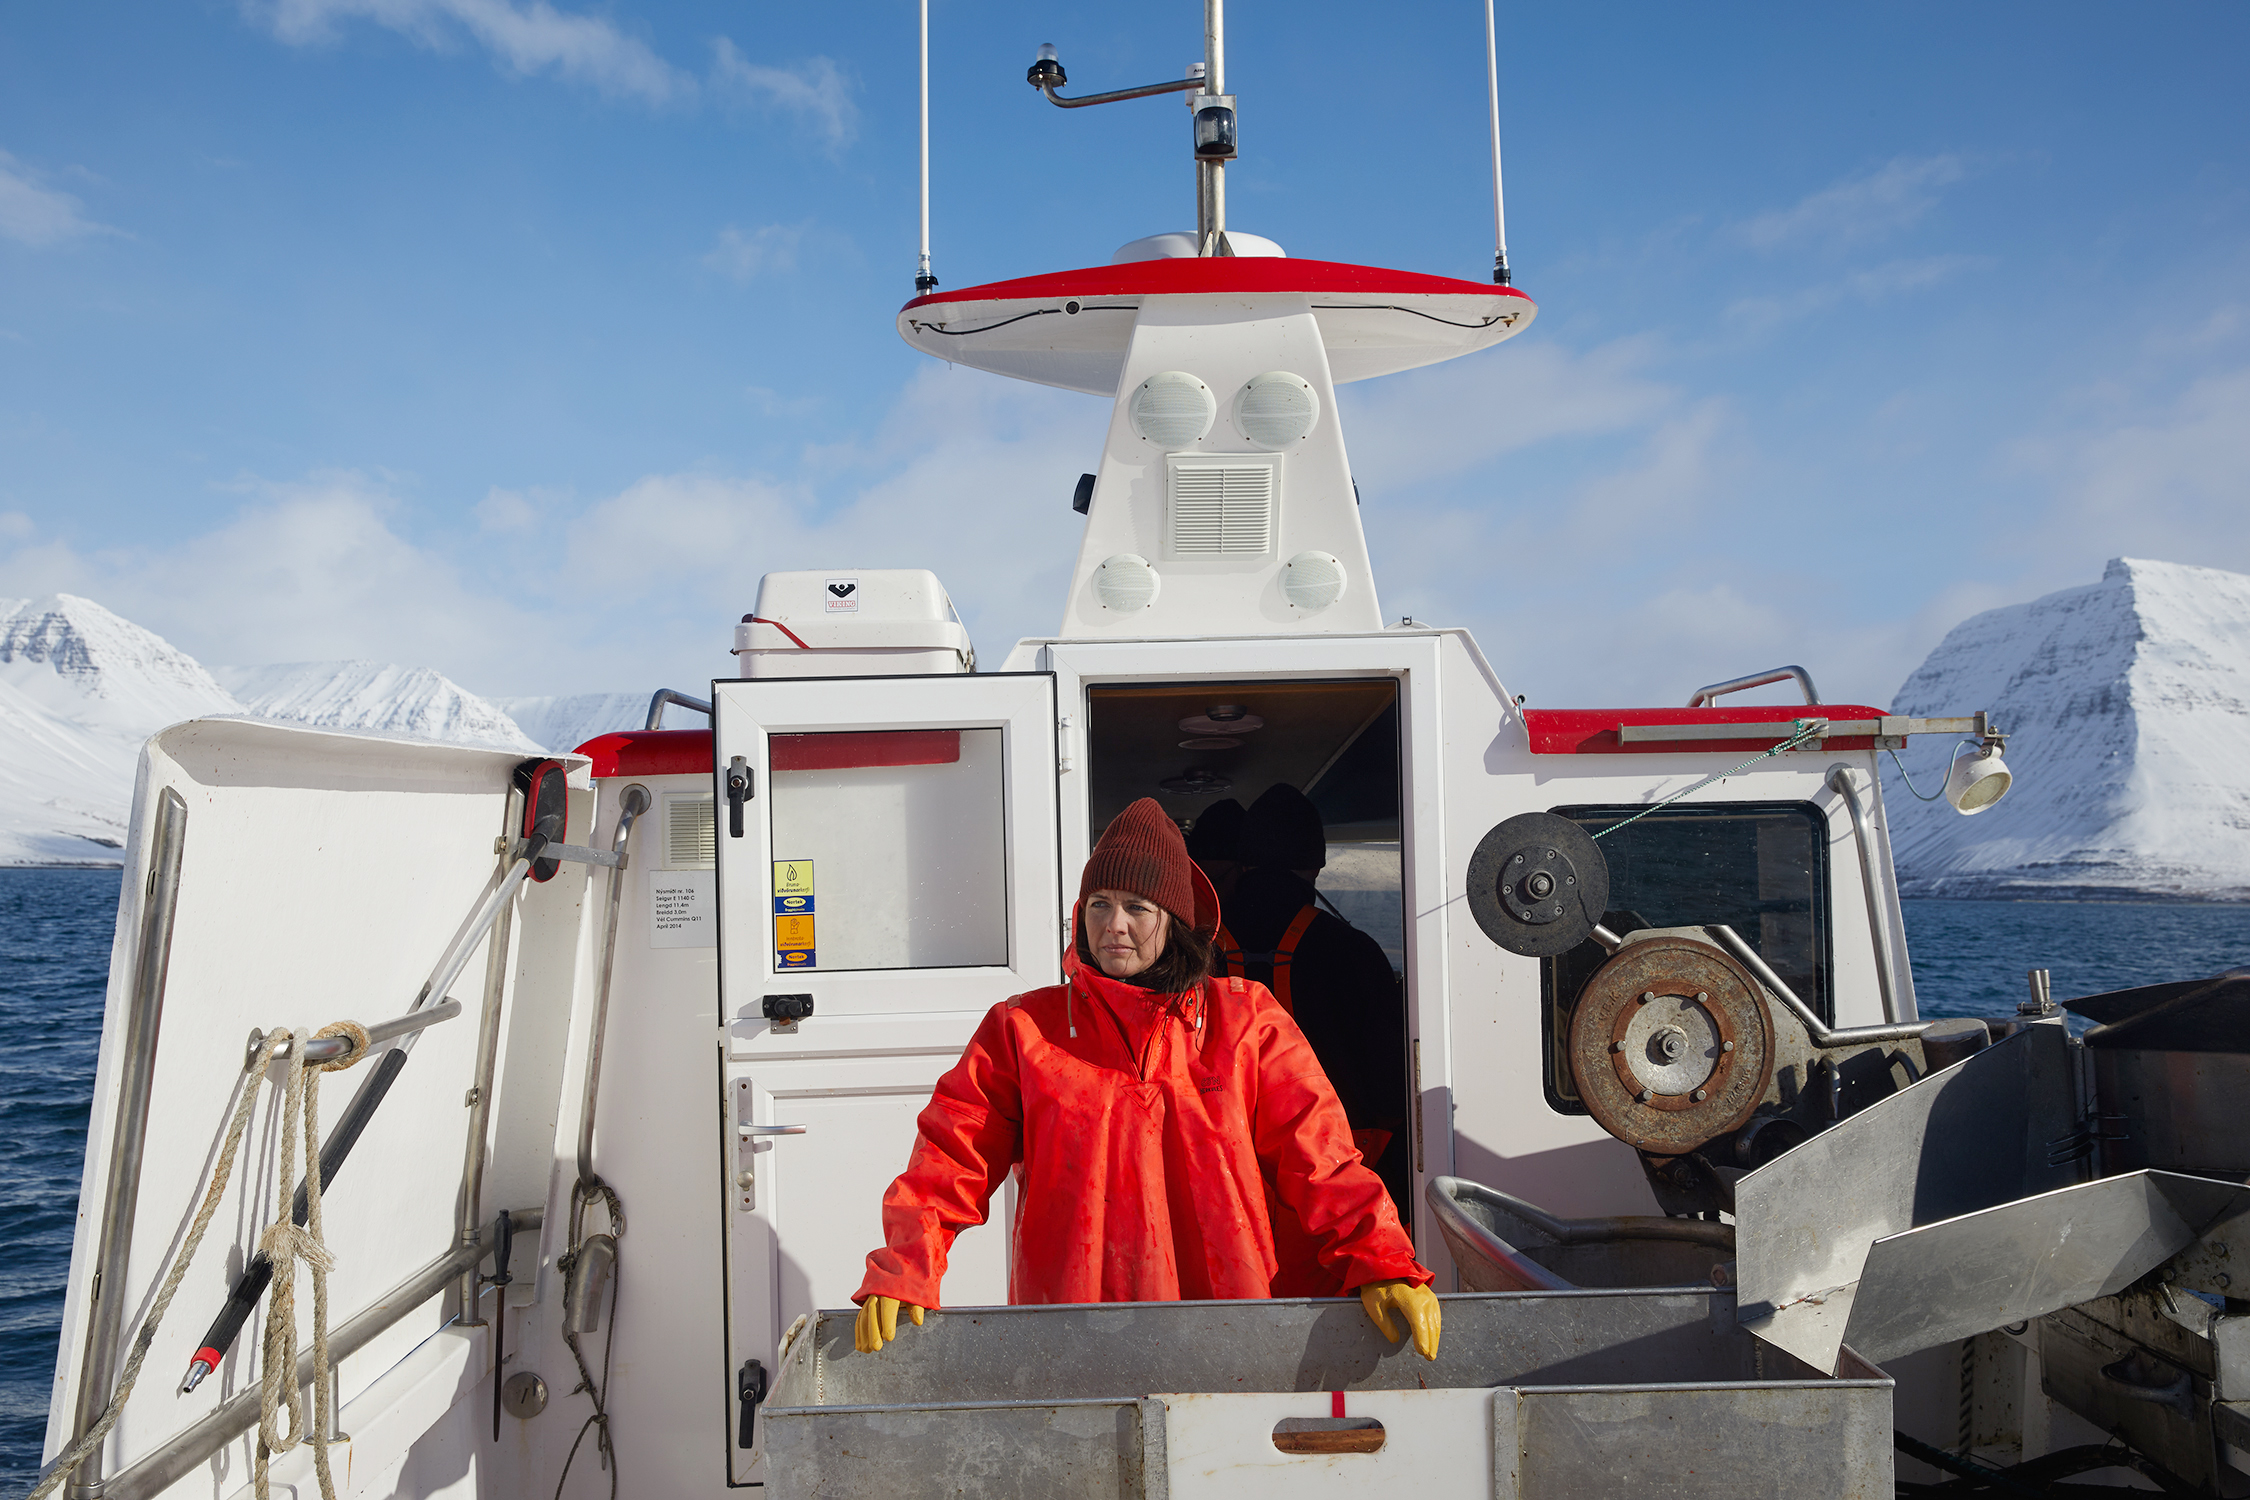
749, 1391
746, 1131
740, 789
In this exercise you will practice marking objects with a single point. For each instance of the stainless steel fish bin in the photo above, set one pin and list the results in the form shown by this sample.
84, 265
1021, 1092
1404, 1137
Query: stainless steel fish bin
1633, 1392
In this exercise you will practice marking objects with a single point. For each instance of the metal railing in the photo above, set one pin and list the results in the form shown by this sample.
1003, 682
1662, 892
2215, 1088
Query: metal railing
189, 1449
1846, 785
633, 802
1822, 1034
121, 1197
1803, 678
663, 696
328, 1048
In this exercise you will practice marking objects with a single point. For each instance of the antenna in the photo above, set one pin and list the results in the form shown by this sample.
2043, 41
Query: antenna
1499, 209
924, 282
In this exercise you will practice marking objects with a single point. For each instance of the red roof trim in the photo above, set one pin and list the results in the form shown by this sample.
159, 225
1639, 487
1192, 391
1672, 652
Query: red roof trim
1593, 731
1247, 273
650, 752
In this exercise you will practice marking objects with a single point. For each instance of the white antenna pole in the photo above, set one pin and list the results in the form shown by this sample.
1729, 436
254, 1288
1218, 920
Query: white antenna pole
1499, 209
924, 282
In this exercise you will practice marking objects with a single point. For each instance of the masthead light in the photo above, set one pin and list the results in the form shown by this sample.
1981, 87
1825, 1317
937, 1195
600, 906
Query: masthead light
1047, 72
1214, 127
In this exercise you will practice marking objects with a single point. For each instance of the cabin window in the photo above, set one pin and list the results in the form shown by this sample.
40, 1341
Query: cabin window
1759, 867
889, 849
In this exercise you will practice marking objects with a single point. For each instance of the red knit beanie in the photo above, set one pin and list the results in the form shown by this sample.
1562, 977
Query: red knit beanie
1141, 851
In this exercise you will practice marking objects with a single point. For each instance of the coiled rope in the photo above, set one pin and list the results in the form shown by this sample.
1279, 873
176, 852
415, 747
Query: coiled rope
299, 1100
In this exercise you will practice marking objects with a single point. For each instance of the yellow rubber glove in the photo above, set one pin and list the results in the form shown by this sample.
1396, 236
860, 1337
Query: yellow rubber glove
878, 1323
1416, 1306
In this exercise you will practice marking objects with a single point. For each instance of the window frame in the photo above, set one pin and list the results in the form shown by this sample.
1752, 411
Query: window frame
1822, 906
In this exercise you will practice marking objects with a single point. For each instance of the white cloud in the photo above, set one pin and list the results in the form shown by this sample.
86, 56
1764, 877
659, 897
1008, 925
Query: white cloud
1857, 208
966, 475
815, 91
770, 251
32, 213
1875, 284
526, 38
306, 571
1445, 419
506, 511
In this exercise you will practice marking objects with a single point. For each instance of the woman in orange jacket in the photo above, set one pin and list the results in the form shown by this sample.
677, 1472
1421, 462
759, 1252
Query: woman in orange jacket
1158, 1120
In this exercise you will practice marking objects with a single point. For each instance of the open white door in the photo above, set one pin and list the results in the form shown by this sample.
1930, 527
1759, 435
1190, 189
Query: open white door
888, 858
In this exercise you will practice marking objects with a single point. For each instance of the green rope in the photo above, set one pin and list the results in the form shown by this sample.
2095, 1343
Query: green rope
1806, 731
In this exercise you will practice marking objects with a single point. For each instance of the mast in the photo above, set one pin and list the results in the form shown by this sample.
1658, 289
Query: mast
1212, 111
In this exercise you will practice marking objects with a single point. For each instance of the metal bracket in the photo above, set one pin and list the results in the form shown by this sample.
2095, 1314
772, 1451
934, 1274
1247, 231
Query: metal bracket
577, 853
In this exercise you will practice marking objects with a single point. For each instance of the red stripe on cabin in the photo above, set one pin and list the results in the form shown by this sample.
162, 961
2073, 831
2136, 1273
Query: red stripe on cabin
650, 752
853, 749
1593, 731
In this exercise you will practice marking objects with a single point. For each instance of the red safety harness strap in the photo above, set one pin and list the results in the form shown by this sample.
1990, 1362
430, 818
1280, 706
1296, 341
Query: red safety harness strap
1282, 959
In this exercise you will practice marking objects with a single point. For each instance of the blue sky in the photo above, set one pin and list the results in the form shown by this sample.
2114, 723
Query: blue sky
517, 339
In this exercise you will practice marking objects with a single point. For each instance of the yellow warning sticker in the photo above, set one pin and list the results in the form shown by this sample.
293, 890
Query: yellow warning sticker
792, 877
792, 932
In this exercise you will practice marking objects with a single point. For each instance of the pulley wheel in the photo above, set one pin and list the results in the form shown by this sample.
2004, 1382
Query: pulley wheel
1538, 884
1670, 1045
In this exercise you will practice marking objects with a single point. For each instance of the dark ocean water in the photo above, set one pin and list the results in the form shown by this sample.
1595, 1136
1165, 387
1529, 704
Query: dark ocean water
55, 928
1971, 957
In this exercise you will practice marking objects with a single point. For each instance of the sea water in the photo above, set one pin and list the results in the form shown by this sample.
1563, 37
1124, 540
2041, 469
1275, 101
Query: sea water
55, 929
1969, 957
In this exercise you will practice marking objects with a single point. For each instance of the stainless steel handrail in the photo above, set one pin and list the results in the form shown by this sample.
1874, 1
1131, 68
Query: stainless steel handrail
469, 1207
1821, 1034
632, 802
329, 1048
189, 1449
1704, 695
1846, 784
663, 696
121, 1199
488, 911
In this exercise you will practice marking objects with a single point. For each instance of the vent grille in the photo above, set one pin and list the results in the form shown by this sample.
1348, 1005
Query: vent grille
1222, 510
691, 832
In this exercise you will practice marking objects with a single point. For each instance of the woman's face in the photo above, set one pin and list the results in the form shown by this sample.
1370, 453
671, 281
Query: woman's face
1126, 932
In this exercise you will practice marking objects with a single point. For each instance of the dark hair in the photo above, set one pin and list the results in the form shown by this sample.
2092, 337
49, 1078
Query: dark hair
1184, 963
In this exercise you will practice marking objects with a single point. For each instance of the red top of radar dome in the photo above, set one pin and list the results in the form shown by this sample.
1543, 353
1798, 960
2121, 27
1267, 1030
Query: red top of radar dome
1190, 274
1071, 328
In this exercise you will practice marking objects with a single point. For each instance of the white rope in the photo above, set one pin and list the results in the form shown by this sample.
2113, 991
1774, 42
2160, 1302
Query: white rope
222, 1171
285, 1245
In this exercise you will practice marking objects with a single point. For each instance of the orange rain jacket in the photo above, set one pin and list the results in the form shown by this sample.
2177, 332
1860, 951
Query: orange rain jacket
1148, 1149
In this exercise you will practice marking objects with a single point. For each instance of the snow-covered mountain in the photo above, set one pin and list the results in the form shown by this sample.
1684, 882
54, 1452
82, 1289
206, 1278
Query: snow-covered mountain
80, 689
416, 701
563, 724
2127, 709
